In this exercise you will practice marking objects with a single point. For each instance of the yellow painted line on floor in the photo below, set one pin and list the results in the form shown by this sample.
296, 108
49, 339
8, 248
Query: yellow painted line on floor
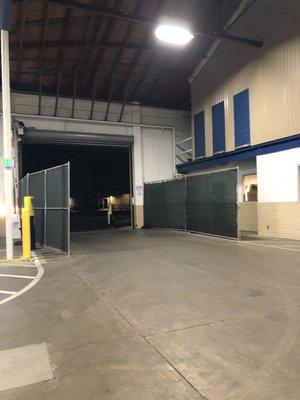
17, 276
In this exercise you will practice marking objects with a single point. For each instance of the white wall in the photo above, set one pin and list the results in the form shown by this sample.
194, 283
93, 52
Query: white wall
278, 176
29, 104
153, 152
181, 120
156, 161
157, 144
157, 154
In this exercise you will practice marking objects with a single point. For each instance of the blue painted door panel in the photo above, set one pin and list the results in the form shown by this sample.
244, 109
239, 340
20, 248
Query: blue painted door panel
218, 126
241, 119
199, 132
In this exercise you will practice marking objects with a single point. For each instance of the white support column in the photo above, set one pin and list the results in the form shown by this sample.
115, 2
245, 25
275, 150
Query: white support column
7, 142
138, 185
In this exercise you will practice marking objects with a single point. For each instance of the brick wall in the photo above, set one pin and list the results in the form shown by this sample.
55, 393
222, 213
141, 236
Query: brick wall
248, 216
280, 220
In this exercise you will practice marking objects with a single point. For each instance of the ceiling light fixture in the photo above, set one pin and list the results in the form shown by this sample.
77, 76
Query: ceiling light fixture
173, 34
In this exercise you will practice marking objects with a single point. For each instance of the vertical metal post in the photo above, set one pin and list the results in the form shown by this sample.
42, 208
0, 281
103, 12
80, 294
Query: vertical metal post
69, 211
27, 184
57, 92
74, 93
45, 209
130, 187
239, 236
7, 142
124, 99
94, 97
40, 90
109, 98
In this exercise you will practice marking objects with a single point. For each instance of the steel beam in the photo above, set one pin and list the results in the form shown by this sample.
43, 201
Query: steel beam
144, 20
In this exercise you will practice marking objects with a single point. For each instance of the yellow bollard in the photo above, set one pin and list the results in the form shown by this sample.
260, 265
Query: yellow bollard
109, 213
27, 213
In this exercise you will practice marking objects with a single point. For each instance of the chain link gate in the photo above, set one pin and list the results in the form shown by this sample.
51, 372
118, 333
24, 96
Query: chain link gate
50, 189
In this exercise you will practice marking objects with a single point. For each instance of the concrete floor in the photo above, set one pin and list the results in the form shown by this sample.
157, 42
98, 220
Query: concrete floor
154, 315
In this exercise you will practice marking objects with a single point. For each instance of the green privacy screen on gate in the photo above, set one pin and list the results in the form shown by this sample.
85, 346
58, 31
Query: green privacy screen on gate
204, 203
164, 205
211, 204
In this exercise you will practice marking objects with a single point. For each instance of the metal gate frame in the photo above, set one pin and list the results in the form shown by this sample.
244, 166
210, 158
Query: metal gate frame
45, 208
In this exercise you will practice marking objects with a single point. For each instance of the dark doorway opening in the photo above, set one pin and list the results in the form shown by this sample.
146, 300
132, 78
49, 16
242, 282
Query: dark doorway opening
100, 181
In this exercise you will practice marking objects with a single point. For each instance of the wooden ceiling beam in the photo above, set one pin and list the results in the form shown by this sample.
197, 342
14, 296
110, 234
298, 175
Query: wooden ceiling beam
149, 21
138, 54
120, 52
108, 31
21, 40
61, 55
78, 43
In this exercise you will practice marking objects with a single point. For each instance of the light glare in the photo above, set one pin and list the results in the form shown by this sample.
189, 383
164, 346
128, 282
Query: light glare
173, 34
2, 210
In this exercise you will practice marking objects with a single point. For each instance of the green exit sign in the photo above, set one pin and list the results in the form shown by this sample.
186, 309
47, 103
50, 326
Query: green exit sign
8, 162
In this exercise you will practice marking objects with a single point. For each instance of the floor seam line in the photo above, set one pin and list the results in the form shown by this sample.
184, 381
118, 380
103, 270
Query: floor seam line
86, 280
193, 326
177, 370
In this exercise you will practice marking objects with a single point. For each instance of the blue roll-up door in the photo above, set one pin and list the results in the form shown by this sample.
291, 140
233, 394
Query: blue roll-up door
241, 119
218, 126
199, 126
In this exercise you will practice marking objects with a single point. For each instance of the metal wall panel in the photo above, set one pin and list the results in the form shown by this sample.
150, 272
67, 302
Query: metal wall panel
269, 73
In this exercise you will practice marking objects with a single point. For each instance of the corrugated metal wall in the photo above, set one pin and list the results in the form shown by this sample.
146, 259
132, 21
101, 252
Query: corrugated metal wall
271, 74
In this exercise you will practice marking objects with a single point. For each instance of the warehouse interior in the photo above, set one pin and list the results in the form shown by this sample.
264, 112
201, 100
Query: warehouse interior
99, 177
159, 142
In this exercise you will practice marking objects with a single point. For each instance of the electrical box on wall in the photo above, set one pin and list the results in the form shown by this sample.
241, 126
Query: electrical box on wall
16, 227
